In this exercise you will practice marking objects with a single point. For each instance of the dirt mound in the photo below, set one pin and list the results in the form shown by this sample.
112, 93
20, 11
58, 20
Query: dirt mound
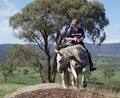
50, 90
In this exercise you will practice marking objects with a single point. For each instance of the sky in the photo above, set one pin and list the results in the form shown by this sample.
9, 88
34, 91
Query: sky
10, 7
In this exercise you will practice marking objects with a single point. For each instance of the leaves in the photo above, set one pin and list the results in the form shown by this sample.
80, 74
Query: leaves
24, 55
47, 16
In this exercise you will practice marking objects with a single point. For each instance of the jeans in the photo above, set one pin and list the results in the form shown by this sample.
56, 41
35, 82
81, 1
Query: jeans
89, 56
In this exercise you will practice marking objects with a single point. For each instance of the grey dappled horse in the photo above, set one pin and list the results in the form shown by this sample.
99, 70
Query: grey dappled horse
71, 61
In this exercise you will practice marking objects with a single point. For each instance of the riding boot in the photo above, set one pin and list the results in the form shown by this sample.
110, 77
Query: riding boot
92, 67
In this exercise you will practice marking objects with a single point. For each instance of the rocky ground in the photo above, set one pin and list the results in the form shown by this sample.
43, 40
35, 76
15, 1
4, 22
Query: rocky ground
50, 90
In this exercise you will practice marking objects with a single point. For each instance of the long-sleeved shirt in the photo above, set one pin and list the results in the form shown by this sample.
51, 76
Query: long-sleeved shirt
72, 33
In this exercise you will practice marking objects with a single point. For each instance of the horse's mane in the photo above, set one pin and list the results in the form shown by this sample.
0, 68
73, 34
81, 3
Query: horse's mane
72, 50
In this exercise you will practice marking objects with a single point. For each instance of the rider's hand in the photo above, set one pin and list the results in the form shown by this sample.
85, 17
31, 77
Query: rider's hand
76, 39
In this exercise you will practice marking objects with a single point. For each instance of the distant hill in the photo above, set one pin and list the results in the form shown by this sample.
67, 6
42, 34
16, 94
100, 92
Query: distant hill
4, 50
113, 48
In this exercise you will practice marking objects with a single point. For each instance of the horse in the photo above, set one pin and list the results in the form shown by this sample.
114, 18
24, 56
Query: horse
71, 61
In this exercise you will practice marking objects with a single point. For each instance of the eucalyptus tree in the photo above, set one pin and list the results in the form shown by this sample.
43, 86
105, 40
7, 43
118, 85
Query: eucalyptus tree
40, 20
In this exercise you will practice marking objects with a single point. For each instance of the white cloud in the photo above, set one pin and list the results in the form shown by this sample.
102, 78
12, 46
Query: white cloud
7, 8
5, 29
93, 0
6, 33
7, 13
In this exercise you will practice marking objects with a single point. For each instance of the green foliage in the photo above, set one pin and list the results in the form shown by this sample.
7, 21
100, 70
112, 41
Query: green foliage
18, 78
6, 69
25, 71
48, 16
23, 55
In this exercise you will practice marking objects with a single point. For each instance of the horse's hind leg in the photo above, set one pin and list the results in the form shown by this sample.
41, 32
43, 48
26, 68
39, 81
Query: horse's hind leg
77, 82
85, 75
84, 83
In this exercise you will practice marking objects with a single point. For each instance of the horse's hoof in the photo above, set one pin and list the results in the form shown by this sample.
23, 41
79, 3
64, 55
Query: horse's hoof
84, 84
64, 87
75, 88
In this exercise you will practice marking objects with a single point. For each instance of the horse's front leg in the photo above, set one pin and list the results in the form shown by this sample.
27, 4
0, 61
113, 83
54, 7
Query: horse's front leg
74, 75
77, 82
63, 81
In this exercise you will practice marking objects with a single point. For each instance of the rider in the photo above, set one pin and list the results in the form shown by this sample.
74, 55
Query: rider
75, 35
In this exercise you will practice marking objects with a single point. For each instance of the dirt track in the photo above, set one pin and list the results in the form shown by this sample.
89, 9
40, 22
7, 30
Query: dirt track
52, 91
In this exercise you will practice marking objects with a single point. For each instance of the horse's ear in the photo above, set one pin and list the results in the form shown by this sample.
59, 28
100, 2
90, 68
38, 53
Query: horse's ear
56, 51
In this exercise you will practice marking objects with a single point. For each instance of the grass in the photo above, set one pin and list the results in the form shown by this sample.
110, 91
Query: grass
19, 80
8, 88
31, 78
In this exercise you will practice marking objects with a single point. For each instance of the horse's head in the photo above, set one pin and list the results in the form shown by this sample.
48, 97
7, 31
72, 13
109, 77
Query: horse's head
62, 61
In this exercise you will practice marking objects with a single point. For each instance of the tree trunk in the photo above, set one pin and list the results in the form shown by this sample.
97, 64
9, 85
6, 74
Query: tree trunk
5, 79
54, 69
47, 52
41, 76
49, 70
